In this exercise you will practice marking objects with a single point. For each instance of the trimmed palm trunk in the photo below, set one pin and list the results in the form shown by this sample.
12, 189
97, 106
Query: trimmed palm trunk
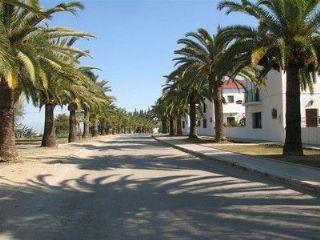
95, 128
171, 126
103, 127
164, 128
193, 117
86, 123
107, 129
72, 122
49, 132
8, 150
293, 143
218, 113
179, 127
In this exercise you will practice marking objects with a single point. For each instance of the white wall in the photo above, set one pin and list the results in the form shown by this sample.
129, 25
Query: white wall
186, 129
271, 98
209, 115
310, 136
308, 100
229, 109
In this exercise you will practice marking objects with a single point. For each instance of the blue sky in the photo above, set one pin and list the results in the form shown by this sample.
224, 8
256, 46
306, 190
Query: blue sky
134, 43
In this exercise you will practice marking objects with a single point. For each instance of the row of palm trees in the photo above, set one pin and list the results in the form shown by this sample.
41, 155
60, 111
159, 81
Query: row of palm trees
43, 64
121, 121
113, 121
286, 38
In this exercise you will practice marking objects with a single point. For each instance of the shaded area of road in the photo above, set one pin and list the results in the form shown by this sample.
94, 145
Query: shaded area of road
132, 187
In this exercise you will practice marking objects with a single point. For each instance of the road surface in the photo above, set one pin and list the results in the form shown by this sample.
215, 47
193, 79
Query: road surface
134, 188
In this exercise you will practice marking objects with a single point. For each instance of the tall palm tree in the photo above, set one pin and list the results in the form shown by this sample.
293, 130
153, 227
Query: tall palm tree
285, 39
181, 93
194, 89
159, 110
175, 99
201, 52
92, 93
19, 59
61, 82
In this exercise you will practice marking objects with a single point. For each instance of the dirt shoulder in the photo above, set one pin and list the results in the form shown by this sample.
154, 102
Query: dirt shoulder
35, 160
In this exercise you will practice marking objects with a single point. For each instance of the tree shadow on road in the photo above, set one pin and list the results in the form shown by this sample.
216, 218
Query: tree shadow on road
177, 197
172, 207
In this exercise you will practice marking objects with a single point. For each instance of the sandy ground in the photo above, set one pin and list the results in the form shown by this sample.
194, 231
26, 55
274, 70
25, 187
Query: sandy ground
132, 187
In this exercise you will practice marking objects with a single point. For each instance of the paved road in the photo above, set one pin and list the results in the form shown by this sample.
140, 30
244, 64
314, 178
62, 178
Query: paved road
132, 188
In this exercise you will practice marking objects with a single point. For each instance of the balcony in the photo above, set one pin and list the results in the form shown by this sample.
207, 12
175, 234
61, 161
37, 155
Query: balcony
252, 97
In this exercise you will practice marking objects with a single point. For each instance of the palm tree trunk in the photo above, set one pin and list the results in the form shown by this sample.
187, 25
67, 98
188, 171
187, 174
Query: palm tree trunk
293, 143
102, 127
95, 128
49, 132
171, 126
164, 128
86, 123
218, 113
107, 130
179, 127
72, 122
193, 117
8, 150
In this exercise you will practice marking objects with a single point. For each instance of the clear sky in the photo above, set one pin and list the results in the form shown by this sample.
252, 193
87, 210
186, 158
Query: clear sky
134, 43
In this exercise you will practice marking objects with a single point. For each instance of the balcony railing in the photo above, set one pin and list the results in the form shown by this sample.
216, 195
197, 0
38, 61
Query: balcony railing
253, 95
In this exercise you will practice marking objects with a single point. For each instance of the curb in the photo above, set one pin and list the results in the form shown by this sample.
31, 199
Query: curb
293, 183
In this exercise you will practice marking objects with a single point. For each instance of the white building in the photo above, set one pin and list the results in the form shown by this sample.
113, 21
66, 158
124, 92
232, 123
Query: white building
265, 112
233, 110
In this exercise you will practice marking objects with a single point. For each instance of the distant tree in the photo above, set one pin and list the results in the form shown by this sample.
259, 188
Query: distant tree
18, 110
22, 131
62, 125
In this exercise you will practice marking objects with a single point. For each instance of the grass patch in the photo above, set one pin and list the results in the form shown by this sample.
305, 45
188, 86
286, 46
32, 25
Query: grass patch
37, 141
311, 156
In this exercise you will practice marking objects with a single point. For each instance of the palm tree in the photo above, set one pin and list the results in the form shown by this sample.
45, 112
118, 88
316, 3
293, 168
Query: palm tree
201, 52
19, 59
193, 91
159, 110
286, 39
61, 82
181, 93
89, 92
175, 99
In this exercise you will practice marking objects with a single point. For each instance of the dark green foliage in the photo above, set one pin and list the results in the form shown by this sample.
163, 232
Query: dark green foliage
62, 125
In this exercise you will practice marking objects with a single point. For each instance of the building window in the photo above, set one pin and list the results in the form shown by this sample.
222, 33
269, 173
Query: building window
274, 113
198, 123
256, 120
183, 124
204, 123
312, 117
239, 102
231, 121
204, 108
211, 120
230, 99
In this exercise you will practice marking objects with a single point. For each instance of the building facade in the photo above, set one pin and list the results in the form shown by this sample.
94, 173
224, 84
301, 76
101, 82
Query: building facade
261, 113
266, 109
233, 110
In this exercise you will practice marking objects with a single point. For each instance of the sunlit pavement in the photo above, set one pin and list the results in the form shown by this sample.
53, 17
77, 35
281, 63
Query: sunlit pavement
132, 187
